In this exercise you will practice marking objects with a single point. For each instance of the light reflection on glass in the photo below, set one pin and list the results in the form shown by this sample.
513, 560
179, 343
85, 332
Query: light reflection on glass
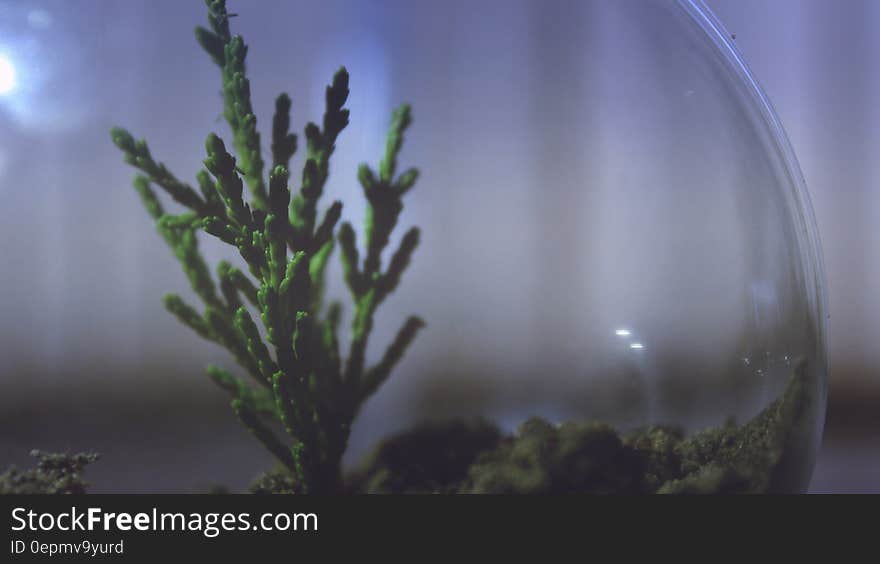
7, 75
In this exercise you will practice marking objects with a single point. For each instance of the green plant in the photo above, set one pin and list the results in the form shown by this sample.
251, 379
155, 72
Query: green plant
305, 385
56, 473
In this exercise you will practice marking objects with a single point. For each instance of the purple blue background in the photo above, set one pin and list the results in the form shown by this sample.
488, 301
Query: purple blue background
90, 360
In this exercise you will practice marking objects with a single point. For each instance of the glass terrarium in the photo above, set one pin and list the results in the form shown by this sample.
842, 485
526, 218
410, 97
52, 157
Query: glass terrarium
618, 268
637, 249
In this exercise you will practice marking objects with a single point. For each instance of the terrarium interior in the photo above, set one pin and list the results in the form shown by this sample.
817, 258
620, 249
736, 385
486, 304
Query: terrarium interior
637, 250
613, 227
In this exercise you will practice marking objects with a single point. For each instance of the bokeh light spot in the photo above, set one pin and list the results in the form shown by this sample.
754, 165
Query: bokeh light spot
7, 75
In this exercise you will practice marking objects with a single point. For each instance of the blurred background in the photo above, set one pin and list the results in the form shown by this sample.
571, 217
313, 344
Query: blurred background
90, 359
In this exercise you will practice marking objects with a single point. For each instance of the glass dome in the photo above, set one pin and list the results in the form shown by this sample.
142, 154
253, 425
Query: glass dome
618, 265
615, 228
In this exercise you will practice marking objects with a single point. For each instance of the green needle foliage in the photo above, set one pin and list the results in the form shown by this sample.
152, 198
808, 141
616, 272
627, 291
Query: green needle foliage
301, 382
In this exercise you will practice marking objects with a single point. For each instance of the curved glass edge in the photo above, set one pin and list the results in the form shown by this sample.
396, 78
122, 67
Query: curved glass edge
703, 16
806, 227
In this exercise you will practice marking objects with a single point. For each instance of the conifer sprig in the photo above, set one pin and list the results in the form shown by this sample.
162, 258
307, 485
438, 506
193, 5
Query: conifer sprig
302, 384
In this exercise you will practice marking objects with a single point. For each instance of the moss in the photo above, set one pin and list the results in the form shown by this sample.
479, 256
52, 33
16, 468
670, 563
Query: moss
754, 454
710, 479
434, 458
661, 460
544, 459
279, 480
54, 474
589, 457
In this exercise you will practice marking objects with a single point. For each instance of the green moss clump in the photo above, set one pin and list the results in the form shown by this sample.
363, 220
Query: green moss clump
756, 457
659, 453
279, 480
433, 458
543, 458
54, 474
